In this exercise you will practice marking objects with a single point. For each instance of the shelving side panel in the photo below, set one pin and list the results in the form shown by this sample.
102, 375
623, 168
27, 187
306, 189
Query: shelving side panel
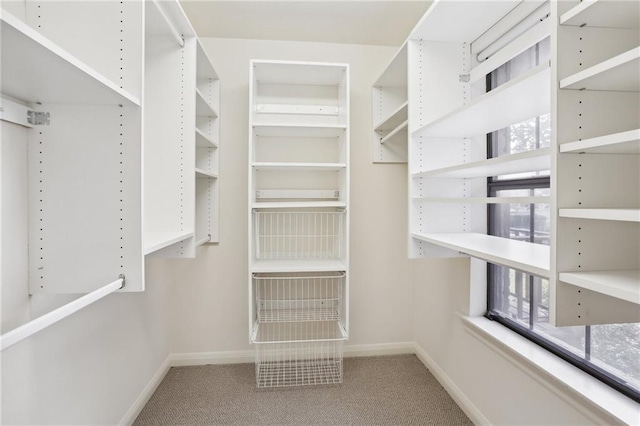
107, 36
169, 140
84, 200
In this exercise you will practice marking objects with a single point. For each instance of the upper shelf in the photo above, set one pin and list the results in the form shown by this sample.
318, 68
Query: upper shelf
484, 200
299, 130
34, 69
618, 143
620, 73
203, 108
625, 215
298, 204
600, 13
496, 109
304, 73
529, 161
523, 256
298, 265
395, 75
329, 167
204, 68
396, 118
624, 284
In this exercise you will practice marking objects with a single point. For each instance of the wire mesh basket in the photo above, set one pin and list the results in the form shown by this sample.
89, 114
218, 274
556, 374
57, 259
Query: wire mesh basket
299, 235
299, 354
299, 297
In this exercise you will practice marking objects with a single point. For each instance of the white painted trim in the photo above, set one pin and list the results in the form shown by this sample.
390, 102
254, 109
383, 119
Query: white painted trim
454, 391
135, 409
205, 358
379, 349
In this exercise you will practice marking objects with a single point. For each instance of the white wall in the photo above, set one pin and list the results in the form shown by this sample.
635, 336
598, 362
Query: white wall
210, 299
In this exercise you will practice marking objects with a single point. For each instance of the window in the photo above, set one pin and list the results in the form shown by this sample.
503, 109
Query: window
520, 301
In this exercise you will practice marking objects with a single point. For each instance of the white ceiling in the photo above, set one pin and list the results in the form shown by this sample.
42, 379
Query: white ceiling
384, 23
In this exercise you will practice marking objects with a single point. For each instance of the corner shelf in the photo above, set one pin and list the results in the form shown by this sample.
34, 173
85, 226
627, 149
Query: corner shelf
625, 215
620, 73
204, 174
618, 143
204, 141
596, 13
484, 200
622, 284
528, 161
395, 119
496, 109
34, 69
203, 109
155, 241
290, 166
527, 257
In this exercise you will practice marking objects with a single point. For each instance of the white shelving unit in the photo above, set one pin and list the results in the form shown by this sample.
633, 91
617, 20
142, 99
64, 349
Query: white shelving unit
298, 221
597, 111
133, 195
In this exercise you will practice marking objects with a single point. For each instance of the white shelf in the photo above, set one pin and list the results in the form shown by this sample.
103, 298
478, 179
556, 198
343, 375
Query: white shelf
329, 167
601, 13
204, 141
625, 215
203, 241
617, 143
203, 174
203, 109
299, 205
527, 257
496, 109
624, 284
303, 73
395, 74
401, 130
528, 161
620, 73
395, 119
34, 69
485, 200
299, 130
155, 241
204, 69
299, 265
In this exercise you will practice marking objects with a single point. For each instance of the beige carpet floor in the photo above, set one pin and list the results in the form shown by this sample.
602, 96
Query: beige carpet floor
391, 390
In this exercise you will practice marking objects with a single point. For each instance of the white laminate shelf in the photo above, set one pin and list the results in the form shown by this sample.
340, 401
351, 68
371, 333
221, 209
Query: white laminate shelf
620, 73
204, 141
298, 265
299, 204
398, 132
529, 161
496, 109
284, 166
624, 215
34, 69
395, 75
618, 143
527, 257
155, 241
204, 69
203, 240
484, 200
203, 108
204, 174
299, 130
621, 284
603, 13
395, 119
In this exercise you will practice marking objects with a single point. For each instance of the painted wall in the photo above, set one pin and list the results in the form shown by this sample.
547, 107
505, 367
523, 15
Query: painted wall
210, 298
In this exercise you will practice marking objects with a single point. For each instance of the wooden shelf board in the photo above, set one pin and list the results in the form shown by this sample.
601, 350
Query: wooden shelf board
599, 13
203, 174
622, 284
203, 108
329, 167
527, 257
155, 241
299, 130
298, 204
203, 141
485, 200
625, 215
618, 143
496, 109
34, 69
620, 73
299, 265
395, 119
528, 161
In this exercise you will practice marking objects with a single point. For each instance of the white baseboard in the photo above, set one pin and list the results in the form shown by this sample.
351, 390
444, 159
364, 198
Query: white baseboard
204, 358
379, 349
456, 394
146, 393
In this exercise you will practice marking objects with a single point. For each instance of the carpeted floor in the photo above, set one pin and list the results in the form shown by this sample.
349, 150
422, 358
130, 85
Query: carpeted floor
392, 390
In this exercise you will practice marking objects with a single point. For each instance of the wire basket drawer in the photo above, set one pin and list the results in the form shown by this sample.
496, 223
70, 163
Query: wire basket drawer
299, 235
299, 354
299, 297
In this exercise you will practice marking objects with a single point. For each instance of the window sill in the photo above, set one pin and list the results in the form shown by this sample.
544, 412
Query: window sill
574, 386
